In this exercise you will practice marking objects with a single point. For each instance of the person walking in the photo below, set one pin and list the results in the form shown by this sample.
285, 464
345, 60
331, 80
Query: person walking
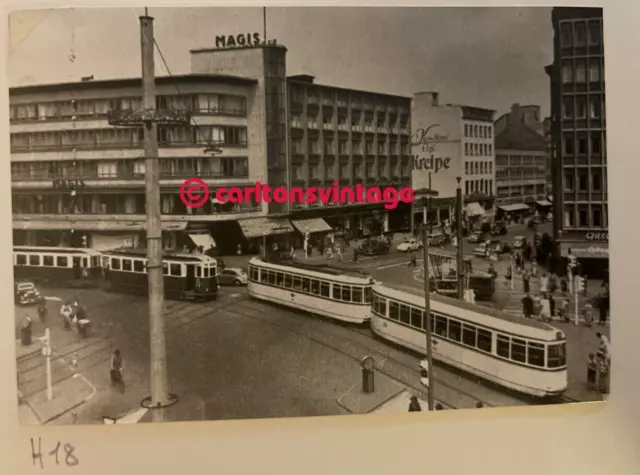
115, 369
526, 285
544, 283
412, 260
414, 405
527, 306
338, 253
587, 314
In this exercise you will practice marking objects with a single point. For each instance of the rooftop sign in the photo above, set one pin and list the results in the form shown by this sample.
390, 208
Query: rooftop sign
242, 40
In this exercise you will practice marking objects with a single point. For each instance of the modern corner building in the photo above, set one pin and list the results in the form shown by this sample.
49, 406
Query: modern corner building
579, 165
521, 162
448, 142
76, 180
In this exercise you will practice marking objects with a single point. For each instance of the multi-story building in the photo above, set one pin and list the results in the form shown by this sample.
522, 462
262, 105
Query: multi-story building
353, 137
546, 132
450, 142
521, 162
579, 137
77, 179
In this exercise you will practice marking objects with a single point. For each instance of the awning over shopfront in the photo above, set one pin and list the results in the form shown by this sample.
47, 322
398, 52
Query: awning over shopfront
92, 225
585, 250
258, 227
544, 203
204, 240
514, 207
311, 226
474, 209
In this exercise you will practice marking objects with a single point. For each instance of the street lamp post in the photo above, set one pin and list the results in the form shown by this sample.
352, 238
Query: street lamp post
426, 195
459, 242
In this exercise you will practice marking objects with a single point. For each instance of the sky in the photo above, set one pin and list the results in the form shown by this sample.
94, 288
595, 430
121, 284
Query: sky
484, 57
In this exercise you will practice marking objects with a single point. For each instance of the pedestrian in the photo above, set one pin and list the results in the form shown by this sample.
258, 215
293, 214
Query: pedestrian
525, 283
564, 285
338, 253
552, 306
116, 367
605, 346
553, 284
66, 312
292, 252
414, 405
508, 276
412, 260
534, 267
439, 407
587, 314
564, 310
42, 313
602, 309
544, 283
527, 306
355, 255
545, 308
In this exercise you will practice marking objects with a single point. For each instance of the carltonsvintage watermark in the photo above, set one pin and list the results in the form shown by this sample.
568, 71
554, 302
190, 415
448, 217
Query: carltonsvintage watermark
194, 193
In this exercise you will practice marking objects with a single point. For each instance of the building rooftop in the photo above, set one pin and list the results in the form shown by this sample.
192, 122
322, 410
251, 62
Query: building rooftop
131, 82
309, 80
519, 136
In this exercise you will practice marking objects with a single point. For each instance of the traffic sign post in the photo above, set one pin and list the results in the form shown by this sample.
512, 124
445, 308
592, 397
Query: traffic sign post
46, 352
578, 287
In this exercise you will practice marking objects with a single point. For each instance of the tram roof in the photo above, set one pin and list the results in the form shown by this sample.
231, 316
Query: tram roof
318, 268
142, 254
56, 250
489, 312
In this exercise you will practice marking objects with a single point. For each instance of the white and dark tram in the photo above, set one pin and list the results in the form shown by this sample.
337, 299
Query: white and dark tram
56, 265
526, 356
334, 293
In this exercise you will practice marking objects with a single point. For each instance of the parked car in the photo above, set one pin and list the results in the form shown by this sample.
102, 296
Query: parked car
26, 293
232, 276
374, 247
476, 236
437, 239
409, 245
519, 242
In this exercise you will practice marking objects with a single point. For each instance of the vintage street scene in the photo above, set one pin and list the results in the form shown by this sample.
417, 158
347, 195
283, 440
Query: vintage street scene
240, 213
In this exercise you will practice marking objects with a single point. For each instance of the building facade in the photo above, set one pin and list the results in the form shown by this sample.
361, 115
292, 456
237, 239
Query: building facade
450, 142
521, 163
579, 167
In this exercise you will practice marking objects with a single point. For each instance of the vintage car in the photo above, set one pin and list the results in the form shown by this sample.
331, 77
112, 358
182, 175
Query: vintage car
519, 242
374, 247
26, 293
437, 239
232, 276
409, 244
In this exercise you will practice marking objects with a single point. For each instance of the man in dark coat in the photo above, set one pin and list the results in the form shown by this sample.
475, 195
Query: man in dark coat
527, 306
414, 405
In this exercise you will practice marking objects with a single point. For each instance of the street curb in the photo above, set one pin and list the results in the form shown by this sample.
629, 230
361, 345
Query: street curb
75, 405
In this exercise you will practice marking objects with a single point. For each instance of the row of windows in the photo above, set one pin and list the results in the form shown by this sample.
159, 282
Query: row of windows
478, 131
342, 100
580, 72
580, 106
586, 179
520, 173
169, 268
502, 160
515, 349
478, 186
585, 216
215, 104
583, 144
320, 288
478, 149
345, 147
383, 124
519, 190
216, 167
478, 168
121, 137
35, 260
580, 33
346, 171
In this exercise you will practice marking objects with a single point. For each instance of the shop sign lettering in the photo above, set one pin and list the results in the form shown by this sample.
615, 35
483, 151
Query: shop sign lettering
596, 236
432, 163
428, 137
246, 40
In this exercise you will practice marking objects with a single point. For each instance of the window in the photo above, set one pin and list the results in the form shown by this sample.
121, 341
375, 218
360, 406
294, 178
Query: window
306, 284
405, 314
466, 168
441, 326
568, 144
594, 70
34, 260
566, 35
569, 184
466, 149
175, 269
466, 130
381, 307
62, 261
503, 346
595, 107
107, 169
596, 146
567, 73
569, 216
596, 180
394, 310
556, 355
469, 335
583, 216
596, 216
580, 34
581, 71
324, 289
581, 107
356, 294
455, 330
115, 263
368, 295
297, 283
583, 146
484, 341
138, 266
165, 271
582, 180
518, 350
593, 31
416, 318
535, 354
47, 261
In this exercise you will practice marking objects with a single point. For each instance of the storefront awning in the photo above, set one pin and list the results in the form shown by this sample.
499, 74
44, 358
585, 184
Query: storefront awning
474, 209
92, 225
544, 203
204, 240
514, 207
258, 227
311, 226
585, 250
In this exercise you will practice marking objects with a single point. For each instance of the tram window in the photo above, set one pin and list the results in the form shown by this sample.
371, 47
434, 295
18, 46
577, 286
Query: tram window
416, 317
455, 330
346, 293
535, 354
126, 265
252, 273
337, 291
198, 272
47, 261
357, 294
441, 326
288, 281
21, 260
138, 266
297, 283
368, 295
306, 285
165, 268
324, 289
394, 310
381, 306
315, 287
115, 263
405, 314
556, 355
279, 279
175, 270
34, 260
518, 350
469, 335
433, 322
503, 346
484, 341
272, 277
62, 261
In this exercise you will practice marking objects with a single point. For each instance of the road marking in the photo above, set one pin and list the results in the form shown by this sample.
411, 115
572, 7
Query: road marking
234, 296
397, 264
54, 299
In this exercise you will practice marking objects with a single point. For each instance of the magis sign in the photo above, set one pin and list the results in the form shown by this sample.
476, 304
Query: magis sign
242, 40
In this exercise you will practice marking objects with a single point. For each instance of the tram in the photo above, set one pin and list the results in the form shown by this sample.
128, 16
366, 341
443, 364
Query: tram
526, 356
56, 265
322, 290
186, 276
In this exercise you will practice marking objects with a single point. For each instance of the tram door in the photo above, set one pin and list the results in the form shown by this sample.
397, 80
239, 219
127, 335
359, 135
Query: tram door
191, 277
77, 268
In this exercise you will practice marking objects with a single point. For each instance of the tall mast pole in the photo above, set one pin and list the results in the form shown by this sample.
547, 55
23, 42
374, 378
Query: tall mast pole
460, 259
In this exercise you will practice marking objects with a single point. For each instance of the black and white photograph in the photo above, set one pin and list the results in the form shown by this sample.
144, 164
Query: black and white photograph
263, 212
